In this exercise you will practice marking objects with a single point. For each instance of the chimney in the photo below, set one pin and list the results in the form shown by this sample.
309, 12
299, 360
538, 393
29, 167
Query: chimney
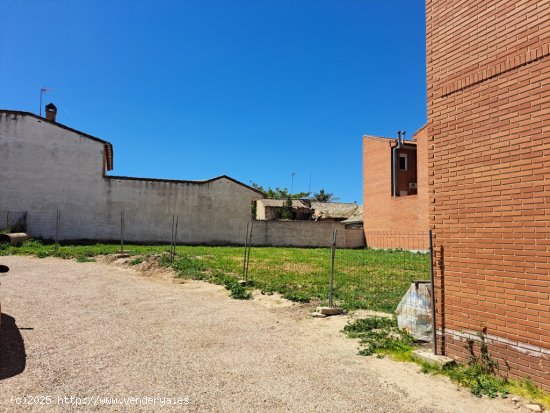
51, 111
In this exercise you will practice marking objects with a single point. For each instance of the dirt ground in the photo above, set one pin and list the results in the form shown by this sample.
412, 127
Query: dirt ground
105, 333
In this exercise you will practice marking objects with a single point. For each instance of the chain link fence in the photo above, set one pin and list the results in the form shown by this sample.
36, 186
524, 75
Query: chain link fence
121, 226
393, 275
374, 278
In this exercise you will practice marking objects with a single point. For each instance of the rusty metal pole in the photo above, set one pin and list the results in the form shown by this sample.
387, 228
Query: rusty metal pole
331, 282
432, 277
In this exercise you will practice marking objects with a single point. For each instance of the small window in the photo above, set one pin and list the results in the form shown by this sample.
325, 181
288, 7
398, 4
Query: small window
403, 162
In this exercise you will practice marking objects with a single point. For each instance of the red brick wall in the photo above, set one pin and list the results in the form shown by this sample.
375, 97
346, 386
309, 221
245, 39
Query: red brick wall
384, 213
489, 169
410, 175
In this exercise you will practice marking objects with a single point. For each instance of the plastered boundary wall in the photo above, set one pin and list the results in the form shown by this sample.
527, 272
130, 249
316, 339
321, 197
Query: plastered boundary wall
488, 76
139, 228
305, 234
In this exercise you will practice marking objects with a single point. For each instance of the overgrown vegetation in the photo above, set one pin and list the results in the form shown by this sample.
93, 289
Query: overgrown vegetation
481, 374
373, 279
381, 336
136, 261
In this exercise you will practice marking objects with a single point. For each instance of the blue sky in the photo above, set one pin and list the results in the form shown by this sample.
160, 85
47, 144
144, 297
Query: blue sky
256, 90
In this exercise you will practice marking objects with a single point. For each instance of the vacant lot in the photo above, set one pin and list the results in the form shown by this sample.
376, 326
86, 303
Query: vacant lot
373, 279
94, 330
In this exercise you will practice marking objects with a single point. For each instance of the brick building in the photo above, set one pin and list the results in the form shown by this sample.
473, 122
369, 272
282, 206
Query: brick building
488, 76
399, 205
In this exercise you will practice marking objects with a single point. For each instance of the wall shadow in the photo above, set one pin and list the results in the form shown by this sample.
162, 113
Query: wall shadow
13, 358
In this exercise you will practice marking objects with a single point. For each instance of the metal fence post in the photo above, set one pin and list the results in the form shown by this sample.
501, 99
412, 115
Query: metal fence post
57, 223
175, 238
172, 238
245, 250
331, 282
121, 232
434, 324
249, 247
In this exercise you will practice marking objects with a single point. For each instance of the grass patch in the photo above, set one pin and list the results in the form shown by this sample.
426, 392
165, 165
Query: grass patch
194, 268
372, 279
297, 297
529, 390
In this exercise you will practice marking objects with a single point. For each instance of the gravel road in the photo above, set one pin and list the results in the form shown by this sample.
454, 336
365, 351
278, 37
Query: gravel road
100, 331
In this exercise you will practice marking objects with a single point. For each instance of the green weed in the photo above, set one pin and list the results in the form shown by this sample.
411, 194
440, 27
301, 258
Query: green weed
136, 261
479, 374
84, 259
297, 297
381, 336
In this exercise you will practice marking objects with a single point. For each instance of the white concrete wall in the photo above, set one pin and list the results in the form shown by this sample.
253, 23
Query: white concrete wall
45, 168
215, 212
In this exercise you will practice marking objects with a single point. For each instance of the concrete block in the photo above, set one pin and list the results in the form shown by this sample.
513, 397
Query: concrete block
431, 358
330, 310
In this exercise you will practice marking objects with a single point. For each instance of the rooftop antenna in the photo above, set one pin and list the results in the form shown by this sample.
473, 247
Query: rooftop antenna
43, 90
309, 187
292, 186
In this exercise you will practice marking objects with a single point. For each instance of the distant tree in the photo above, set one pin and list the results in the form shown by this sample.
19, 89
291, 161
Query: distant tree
279, 193
283, 193
323, 196
287, 212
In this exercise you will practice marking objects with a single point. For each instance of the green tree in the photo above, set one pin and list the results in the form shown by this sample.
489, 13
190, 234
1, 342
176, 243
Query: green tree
287, 212
323, 196
279, 193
